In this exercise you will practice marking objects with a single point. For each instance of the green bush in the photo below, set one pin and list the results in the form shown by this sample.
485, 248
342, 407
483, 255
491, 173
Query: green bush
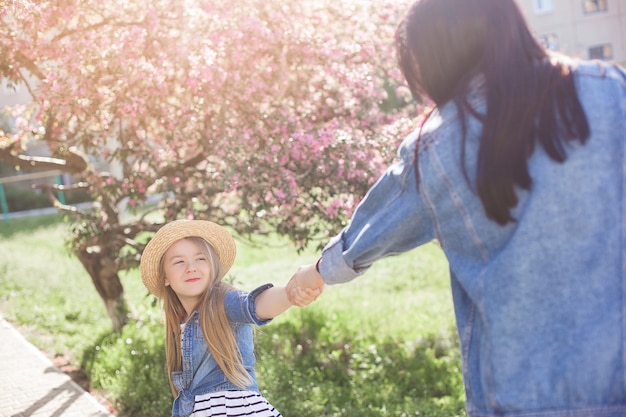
307, 366
20, 199
129, 366
319, 368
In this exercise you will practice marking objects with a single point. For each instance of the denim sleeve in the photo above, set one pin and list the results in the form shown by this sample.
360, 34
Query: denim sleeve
241, 308
391, 219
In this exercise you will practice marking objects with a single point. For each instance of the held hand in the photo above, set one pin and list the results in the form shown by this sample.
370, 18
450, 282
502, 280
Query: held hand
302, 297
305, 286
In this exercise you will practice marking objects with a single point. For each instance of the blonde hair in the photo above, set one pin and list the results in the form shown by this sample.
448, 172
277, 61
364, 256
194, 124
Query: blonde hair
216, 329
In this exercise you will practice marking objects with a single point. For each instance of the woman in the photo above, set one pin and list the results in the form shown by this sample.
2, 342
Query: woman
519, 173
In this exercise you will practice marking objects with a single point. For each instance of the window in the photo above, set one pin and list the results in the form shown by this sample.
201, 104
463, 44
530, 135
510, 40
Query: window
601, 52
550, 41
9, 88
543, 6
593, 6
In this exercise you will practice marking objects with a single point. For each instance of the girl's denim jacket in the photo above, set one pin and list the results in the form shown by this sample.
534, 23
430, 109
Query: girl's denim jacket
539, 303
201, 374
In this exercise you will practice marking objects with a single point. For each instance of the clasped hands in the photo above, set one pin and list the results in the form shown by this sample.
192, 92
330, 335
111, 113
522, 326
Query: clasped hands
305, 286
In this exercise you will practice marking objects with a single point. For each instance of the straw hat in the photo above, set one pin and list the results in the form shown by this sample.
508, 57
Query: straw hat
221, 240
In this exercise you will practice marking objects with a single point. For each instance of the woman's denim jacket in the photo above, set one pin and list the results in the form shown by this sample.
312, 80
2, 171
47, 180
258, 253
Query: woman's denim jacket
539, 303
201, 374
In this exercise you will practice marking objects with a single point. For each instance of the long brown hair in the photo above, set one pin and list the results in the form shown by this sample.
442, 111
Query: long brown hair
442, 45
216, 329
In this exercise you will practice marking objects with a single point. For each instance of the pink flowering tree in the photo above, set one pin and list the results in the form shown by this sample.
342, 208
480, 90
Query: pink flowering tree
261, 115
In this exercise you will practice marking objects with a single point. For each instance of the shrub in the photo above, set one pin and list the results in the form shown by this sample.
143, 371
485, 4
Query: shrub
20, 199
318, 367
308, 366
130, 366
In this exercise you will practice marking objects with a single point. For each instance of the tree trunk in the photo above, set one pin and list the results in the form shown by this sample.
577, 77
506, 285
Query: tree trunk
103, 272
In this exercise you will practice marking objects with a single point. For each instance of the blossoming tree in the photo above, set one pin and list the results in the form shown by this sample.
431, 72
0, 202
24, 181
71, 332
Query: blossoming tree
260, 115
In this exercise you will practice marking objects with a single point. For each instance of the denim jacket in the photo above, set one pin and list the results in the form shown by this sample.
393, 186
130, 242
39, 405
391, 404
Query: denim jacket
539, 303
201, 374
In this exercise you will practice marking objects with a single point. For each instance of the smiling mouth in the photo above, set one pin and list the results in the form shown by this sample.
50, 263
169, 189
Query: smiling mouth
192, 280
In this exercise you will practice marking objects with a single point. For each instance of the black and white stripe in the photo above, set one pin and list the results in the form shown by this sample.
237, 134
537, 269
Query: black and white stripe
233, 404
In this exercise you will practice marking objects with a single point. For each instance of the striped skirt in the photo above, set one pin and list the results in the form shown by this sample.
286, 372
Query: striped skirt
233, 404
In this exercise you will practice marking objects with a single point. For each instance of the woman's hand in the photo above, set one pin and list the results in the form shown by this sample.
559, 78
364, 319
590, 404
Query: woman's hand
305, 286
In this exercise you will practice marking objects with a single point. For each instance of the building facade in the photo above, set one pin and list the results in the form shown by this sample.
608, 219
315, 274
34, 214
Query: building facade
593, 29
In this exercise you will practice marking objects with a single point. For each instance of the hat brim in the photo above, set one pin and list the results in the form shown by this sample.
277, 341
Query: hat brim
220, 238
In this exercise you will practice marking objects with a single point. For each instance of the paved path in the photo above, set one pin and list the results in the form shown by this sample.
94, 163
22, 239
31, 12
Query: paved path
30, 385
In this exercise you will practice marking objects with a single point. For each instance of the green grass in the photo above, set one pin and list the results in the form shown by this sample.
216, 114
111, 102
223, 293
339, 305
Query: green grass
44, 289
381, 345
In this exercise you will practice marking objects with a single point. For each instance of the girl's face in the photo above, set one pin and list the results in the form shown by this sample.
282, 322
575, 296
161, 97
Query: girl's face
187, 271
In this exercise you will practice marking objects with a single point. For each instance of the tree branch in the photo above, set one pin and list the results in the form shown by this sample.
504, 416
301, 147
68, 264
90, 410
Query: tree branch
73, 162
55, 201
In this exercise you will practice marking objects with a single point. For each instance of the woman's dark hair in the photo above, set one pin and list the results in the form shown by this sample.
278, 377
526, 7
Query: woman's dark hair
443, 44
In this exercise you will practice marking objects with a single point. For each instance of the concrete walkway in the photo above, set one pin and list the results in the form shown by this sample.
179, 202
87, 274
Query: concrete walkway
30, 385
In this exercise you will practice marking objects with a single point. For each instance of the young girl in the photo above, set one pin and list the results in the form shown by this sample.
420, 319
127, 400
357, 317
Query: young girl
209, 324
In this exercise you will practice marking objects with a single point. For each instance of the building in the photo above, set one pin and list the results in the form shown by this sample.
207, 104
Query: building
583, 28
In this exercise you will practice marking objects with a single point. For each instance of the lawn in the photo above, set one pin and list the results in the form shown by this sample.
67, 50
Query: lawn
382, 345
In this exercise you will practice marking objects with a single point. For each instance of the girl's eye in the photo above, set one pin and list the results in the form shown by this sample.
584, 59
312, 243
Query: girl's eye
178, 262
202, 258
